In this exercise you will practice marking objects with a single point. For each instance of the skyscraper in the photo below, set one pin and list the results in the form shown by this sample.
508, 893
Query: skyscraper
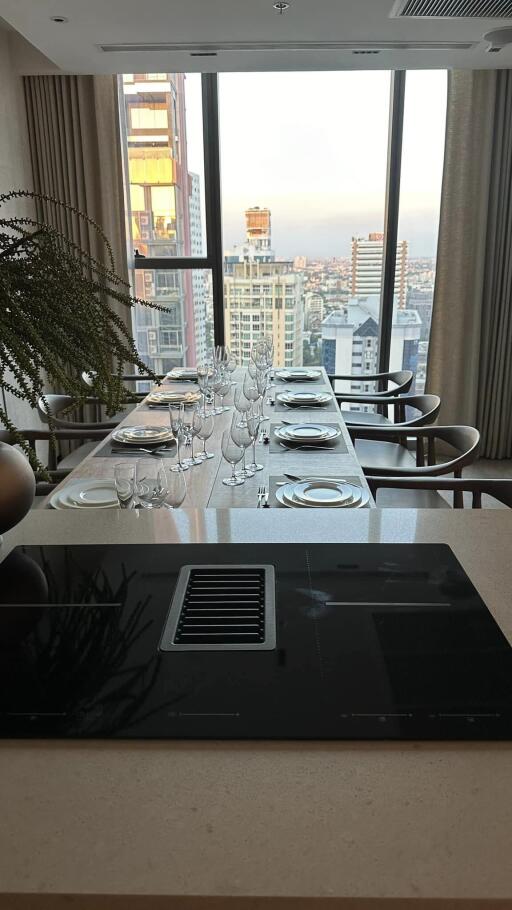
165, 219
367, 260
262, 295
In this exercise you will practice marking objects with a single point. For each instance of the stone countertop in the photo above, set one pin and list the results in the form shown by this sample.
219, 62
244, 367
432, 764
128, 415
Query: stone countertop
130, 825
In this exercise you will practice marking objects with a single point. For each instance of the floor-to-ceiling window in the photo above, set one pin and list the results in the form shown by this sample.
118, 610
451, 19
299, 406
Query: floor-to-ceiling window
301, 182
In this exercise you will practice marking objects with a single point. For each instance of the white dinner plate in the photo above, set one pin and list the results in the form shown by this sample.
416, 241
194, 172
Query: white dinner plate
189, 373
97, 493
138, 435
323, 492
285, 496
69, 496
304, 398
307, 432
297, 375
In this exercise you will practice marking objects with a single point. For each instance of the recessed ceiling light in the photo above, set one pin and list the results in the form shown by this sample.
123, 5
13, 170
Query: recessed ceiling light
59, 19
280, 6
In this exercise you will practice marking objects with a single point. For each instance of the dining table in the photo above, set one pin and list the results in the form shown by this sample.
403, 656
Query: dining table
205, 487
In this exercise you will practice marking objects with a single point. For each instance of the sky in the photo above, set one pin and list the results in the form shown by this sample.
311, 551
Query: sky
312, 147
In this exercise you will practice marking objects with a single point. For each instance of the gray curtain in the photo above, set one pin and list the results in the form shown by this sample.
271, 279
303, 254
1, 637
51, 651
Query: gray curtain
74, 139
470, 353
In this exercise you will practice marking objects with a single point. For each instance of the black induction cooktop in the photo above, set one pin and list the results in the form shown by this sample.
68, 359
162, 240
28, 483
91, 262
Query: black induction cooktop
239, 641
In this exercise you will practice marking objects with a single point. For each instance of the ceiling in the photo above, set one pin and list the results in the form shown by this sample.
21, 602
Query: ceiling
309, 35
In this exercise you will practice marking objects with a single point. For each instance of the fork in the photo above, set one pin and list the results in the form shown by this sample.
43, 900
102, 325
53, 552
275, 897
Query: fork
294, 448
261, 496
136, 451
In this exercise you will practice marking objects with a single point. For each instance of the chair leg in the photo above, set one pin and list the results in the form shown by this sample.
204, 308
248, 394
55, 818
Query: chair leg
458, 495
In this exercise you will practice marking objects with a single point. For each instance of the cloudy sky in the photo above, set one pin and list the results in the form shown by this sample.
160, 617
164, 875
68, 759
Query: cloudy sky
312, 147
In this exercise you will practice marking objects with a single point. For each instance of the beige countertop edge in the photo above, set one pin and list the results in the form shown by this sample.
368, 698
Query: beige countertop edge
256, 824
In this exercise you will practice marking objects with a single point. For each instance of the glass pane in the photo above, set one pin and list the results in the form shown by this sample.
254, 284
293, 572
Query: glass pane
162, 139
303, 195
182, 333
420, 200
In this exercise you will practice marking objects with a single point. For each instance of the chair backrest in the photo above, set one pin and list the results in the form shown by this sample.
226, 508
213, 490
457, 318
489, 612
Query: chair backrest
478, 487
465, 441
52, 406
400, 379
427, 406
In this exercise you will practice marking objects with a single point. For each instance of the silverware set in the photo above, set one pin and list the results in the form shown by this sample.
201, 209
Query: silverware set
125, 450
294, 447
262, 497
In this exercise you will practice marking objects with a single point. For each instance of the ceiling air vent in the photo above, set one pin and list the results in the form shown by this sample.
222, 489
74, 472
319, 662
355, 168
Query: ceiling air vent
222, 608
368, 47
453, 9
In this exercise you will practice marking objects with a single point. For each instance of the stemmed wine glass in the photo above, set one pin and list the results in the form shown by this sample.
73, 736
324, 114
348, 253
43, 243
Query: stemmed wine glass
204, 433
242, 405
231, 366
216, 384
262, 386
176, 490
223, 391
253, 426
124, 476
176, 416
203, 379
242, 437
232, 453
250, 388
195, 421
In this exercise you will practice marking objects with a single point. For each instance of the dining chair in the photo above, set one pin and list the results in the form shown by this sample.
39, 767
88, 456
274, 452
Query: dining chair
426, 406
500, 490
399, 380
56, 468
385, 452
53, 405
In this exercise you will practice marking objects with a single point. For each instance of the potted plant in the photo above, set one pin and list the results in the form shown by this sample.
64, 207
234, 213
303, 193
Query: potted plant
56, 315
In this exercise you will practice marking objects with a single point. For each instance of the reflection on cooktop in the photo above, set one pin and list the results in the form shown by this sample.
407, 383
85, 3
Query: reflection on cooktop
375, 641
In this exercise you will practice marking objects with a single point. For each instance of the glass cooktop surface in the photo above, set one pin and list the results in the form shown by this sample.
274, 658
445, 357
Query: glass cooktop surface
372, 641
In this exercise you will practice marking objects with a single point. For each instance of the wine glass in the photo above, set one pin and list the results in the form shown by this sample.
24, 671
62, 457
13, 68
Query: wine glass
203, 379
223, 391
253, 426
124, 477
204, 433
231, 366
242, 405
176, 490
193, 424
176, 417
242, 438
262, 385
151, 483
252, 369
250, 388
233, 454
216, 383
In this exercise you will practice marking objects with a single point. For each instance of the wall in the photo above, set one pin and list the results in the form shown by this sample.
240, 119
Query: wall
15, 171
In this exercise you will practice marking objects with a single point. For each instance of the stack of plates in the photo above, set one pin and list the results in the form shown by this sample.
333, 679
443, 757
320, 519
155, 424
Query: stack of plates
162, 399
306, 434
86, 494
142, 436
184, 374
322, 493
298, 375
304, 399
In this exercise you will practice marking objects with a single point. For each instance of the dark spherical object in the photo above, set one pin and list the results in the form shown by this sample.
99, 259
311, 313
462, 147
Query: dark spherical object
17, 487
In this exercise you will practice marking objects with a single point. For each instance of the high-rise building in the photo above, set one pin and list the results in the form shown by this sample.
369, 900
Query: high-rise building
350, 341
199, 277
313, 311
262, 296
367, 261
258, 227
165, 219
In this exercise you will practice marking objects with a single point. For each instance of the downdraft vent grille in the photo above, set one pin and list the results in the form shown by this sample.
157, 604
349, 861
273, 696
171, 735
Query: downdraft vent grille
218, 608
454, 9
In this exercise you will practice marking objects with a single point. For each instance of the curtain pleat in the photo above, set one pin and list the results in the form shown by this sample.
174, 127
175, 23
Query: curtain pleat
495, 370
73, 124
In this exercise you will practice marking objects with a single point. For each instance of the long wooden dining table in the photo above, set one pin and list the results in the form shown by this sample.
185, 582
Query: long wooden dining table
204, 482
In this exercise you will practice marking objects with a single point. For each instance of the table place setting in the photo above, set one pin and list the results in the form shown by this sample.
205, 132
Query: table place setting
297, 374
291, 400
316, 492
86, 494
182, 374
307, 436
162, 399
139, 440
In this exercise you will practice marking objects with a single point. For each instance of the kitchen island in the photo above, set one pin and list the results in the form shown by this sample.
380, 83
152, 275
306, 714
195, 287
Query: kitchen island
258, 824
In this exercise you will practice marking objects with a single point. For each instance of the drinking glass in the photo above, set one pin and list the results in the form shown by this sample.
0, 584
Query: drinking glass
195, 426
262, 385
223, 391
151, 483
253, 426
240, 435
204, 433
203, 379
231, 366
124, 476
216, 383
252, 369
233, 454
242, 405
176, 416
176, 490
250, 388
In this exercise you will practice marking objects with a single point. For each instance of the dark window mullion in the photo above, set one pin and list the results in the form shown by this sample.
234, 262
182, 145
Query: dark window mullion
211, 142
394, 168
